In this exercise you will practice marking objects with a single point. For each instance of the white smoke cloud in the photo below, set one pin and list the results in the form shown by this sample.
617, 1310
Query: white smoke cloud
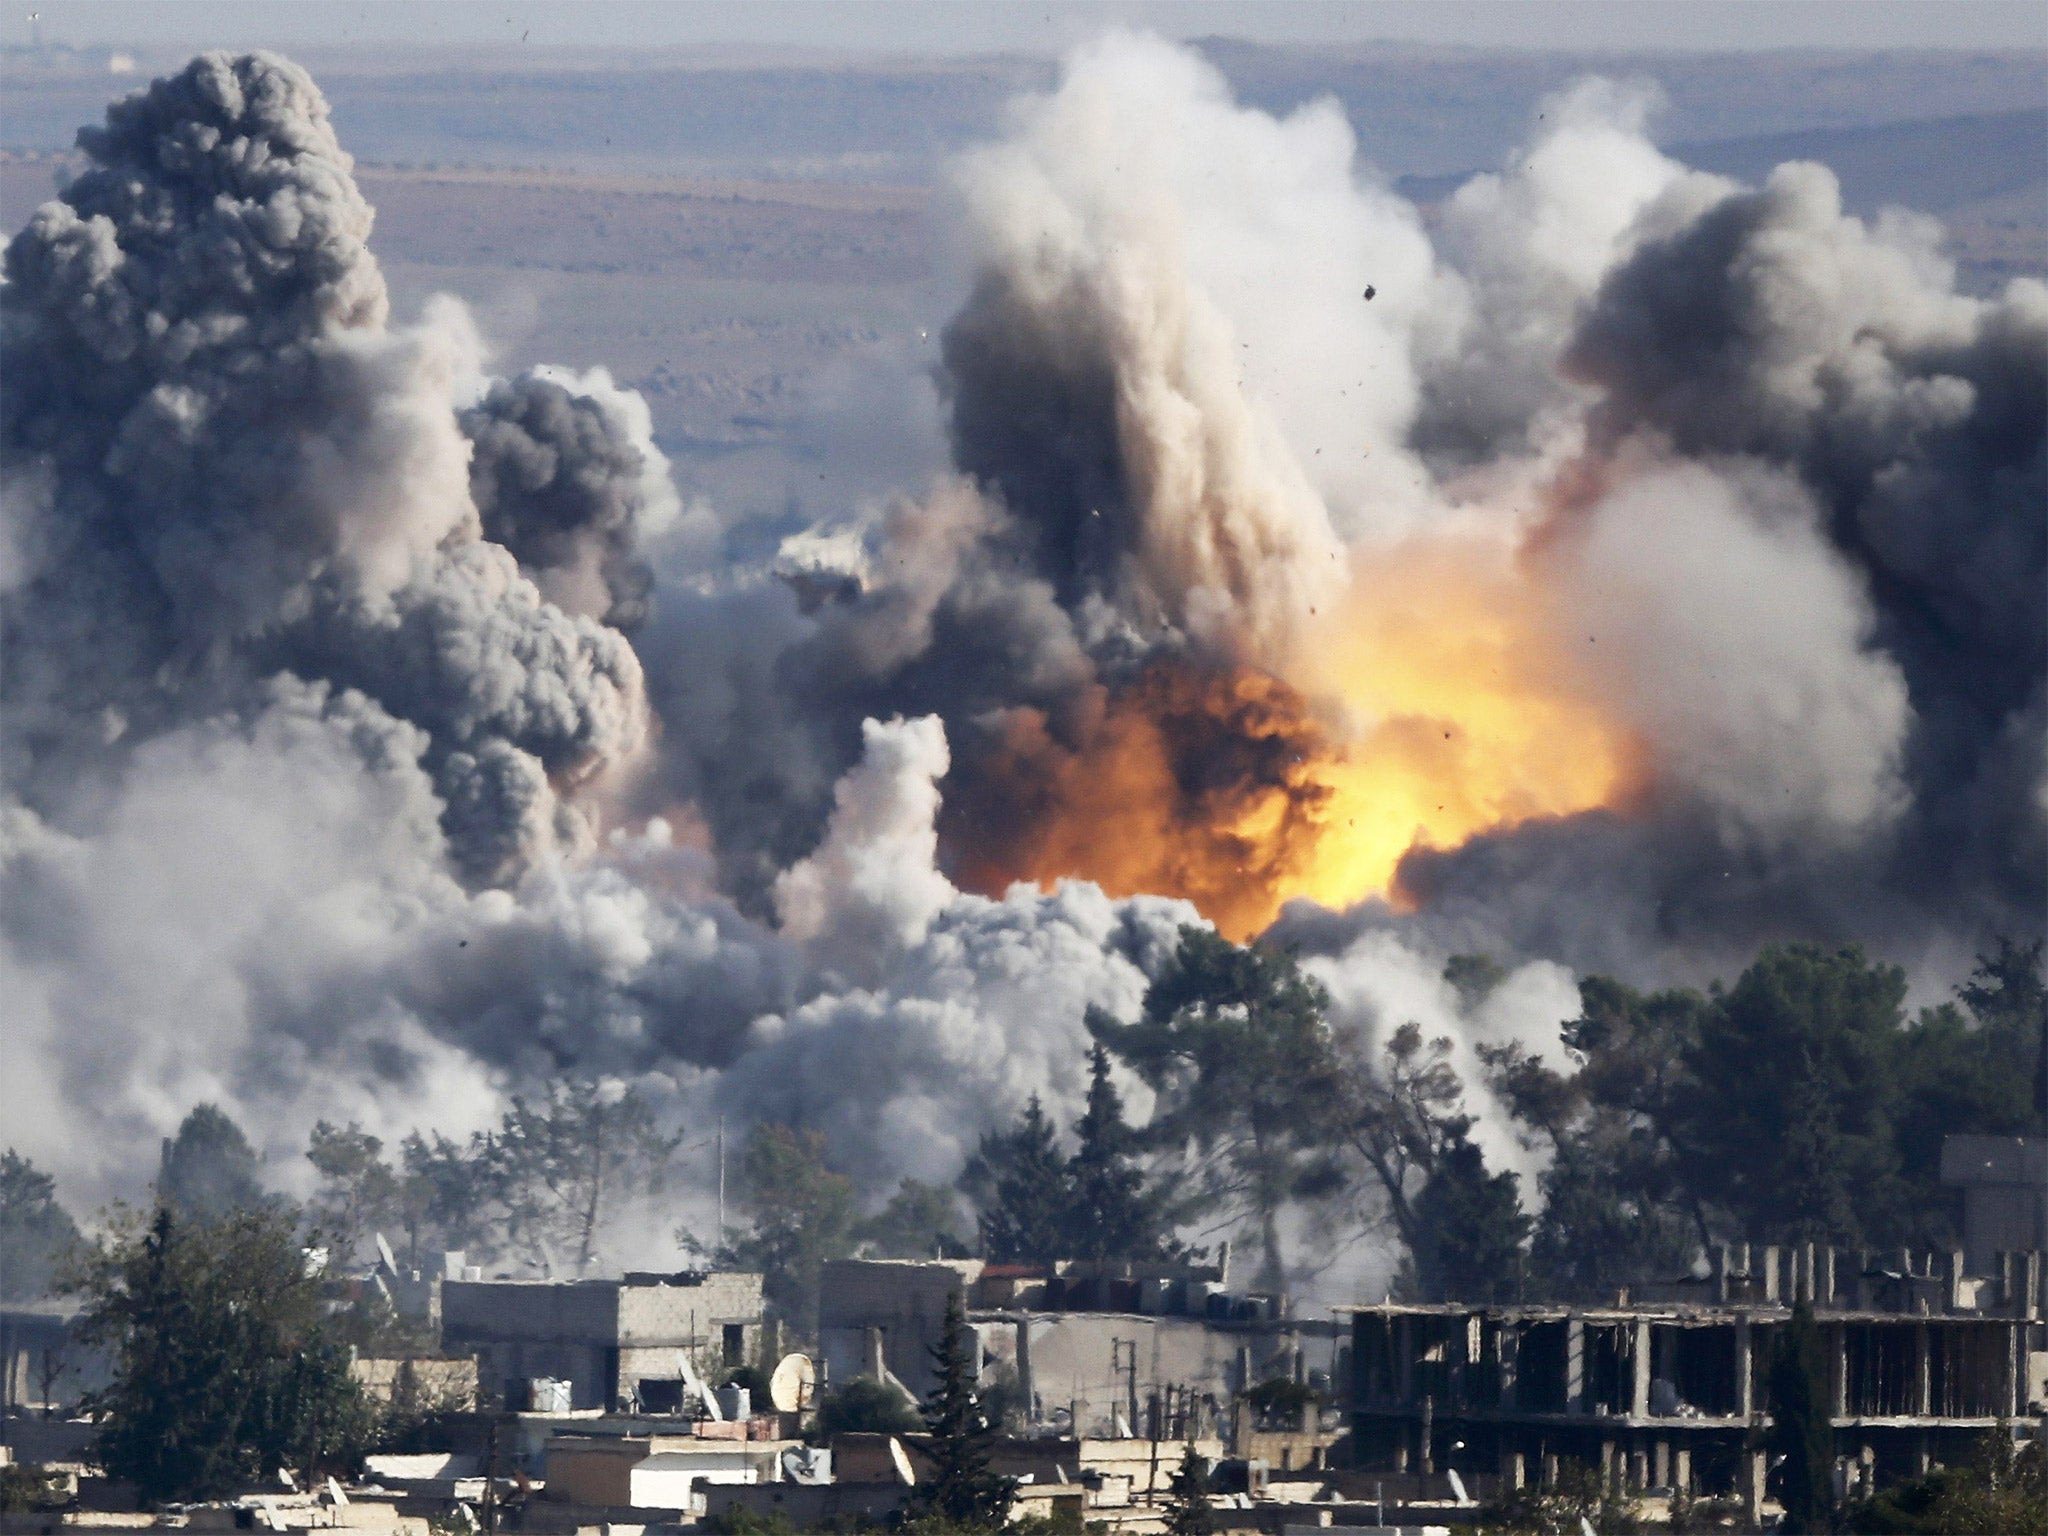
1742, 644
359, 765
1381, 981
873, 886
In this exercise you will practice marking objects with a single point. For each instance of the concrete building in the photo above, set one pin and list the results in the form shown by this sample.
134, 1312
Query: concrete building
43, 1364
2004, 1180
1090, 1350
614, 1342
652, 1471
1668, 1394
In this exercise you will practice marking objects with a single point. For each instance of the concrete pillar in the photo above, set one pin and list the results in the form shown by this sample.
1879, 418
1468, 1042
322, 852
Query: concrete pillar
1244, 1367
1607, 1472
1824, 1287
1681, 1469
1026, 1387
1575, 1366
1770, 1267
1428, 1434
1952, 1292
1510, 1365
1923, 1371
1752, 1478
1639, 1385
1834, 1339
1660, 1464
1550, 1469
1745, 1374
1513, 1472
1638, 1469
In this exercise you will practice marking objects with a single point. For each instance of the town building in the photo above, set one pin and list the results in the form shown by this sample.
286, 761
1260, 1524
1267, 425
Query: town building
1101, 1351
1667, 1390
638, 1341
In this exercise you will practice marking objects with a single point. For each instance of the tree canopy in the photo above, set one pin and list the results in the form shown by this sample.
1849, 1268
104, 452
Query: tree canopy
35, 1231
208, 1168
1234, 1042
223, 1366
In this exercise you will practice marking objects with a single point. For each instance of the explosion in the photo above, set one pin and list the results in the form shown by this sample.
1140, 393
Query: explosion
1436, 700
383, 736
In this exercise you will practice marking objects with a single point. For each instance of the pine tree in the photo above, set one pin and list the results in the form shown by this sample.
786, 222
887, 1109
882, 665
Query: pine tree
961, 1493
1801, 1431
34, 1229
1187, 1500
1021, 1184
209, 1170
1111, 1214
223, 1365
1470, 1226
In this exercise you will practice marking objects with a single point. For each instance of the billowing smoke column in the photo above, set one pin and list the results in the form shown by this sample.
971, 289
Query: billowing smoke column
1650, 566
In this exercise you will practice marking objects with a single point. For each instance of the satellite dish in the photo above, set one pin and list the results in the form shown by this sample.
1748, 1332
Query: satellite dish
792, 1384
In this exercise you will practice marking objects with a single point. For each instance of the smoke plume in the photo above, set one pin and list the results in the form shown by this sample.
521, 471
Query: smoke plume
1648, 567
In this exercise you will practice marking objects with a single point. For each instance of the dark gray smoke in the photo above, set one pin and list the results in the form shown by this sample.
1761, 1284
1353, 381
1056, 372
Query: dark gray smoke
561, 482
225, 465
335, 785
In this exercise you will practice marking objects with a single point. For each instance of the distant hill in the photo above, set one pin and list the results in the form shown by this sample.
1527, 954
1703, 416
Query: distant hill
1417, 111
1946, 165
1433, 111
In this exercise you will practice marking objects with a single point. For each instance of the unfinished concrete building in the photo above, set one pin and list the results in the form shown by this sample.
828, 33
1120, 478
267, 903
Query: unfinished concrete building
633, 1342
1665, 1393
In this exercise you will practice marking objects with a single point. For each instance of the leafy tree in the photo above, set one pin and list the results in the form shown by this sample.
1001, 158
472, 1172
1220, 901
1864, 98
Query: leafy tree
961, 1492
799, 1214
35, 1231
1474, 978
1187, 1497
566, 1158
1609, 1219
1801, 1431
1112, 1212
449, 1197
1793, 1090
2004, 1487
358, 1189
866, 1407
1397, 1116
1964, 1067
1233, 1040
921, 1221
1020, 1181
208, 1169
222, 1369
1470, 1226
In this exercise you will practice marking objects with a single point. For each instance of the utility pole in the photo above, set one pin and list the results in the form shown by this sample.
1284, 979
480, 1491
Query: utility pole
721, 1180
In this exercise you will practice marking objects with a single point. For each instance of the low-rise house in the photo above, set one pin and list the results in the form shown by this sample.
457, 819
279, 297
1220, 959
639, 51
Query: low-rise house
629, 1342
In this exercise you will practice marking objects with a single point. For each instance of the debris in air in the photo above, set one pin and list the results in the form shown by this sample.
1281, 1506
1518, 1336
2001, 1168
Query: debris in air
1369, 292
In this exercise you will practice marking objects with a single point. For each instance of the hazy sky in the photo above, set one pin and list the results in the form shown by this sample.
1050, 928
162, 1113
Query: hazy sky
960, 25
